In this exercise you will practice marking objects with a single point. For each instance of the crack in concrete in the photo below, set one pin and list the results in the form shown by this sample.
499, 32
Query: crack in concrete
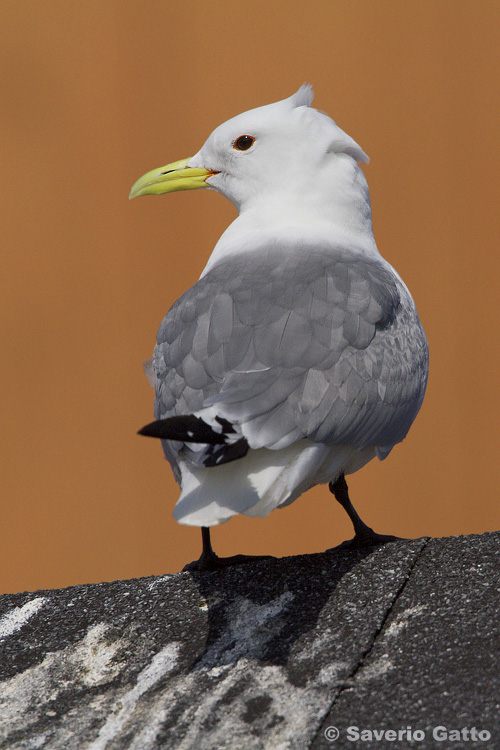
348, 682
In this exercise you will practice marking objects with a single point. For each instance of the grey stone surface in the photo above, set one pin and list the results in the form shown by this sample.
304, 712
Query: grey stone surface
436, 661
265, 655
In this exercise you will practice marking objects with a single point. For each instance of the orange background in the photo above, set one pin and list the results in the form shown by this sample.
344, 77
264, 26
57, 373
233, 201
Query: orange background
93, 94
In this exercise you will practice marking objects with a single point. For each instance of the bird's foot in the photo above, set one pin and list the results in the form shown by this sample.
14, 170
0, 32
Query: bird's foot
214, 562
368, 538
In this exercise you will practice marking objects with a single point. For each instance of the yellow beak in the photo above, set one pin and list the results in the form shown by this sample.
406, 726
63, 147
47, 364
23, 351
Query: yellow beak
172, 177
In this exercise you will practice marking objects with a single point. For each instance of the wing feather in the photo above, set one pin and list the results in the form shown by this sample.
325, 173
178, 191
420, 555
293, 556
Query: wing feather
318, 344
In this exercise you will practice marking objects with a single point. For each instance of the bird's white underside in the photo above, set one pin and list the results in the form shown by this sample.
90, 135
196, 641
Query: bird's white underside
261, 481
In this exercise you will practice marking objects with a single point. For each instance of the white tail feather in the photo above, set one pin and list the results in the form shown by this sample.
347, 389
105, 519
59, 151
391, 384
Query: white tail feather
260, 481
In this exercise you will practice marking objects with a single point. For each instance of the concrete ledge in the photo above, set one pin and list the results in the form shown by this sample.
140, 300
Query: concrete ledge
266, 655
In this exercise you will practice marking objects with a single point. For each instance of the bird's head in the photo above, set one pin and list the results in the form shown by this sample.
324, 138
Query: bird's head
287, 145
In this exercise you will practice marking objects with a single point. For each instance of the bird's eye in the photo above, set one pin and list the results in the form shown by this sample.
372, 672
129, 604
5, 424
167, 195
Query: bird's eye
244, 142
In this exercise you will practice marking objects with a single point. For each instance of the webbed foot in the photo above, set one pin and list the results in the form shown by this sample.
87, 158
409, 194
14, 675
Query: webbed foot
208, 560
366, 540
214, 562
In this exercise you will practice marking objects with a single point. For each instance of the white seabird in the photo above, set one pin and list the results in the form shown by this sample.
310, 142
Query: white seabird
298, 356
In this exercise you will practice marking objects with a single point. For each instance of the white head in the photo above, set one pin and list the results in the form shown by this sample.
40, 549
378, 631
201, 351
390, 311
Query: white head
282, 147
283, 165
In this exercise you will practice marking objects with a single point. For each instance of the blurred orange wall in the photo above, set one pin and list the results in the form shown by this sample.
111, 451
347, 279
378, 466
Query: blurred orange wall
95, 93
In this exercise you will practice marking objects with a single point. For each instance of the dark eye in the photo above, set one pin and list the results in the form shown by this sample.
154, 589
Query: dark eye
243, 143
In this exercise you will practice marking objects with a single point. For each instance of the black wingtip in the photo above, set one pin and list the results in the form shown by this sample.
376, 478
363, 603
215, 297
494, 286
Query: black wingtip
186, 429
153, 429
191, 429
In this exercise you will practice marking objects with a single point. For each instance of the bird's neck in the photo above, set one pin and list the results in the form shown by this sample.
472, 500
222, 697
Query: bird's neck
332, 214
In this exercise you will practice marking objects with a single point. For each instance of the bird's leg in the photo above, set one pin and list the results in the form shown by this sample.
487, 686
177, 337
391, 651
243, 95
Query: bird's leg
210, 561
364, 536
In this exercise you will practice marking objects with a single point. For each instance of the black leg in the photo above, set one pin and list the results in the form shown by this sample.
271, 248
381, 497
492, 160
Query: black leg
210, 561
364, 536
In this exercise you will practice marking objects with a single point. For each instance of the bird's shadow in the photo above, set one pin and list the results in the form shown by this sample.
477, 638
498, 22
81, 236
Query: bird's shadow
269, 609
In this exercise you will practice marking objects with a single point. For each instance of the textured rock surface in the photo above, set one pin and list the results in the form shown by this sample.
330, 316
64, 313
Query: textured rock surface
266, 655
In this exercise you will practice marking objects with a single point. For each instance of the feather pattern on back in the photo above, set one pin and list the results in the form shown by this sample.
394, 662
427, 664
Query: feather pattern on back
311, 344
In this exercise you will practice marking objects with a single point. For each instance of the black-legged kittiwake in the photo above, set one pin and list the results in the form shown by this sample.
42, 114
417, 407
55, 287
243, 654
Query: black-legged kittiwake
298, 356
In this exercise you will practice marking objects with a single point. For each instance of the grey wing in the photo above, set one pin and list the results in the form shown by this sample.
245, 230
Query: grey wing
287, 347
